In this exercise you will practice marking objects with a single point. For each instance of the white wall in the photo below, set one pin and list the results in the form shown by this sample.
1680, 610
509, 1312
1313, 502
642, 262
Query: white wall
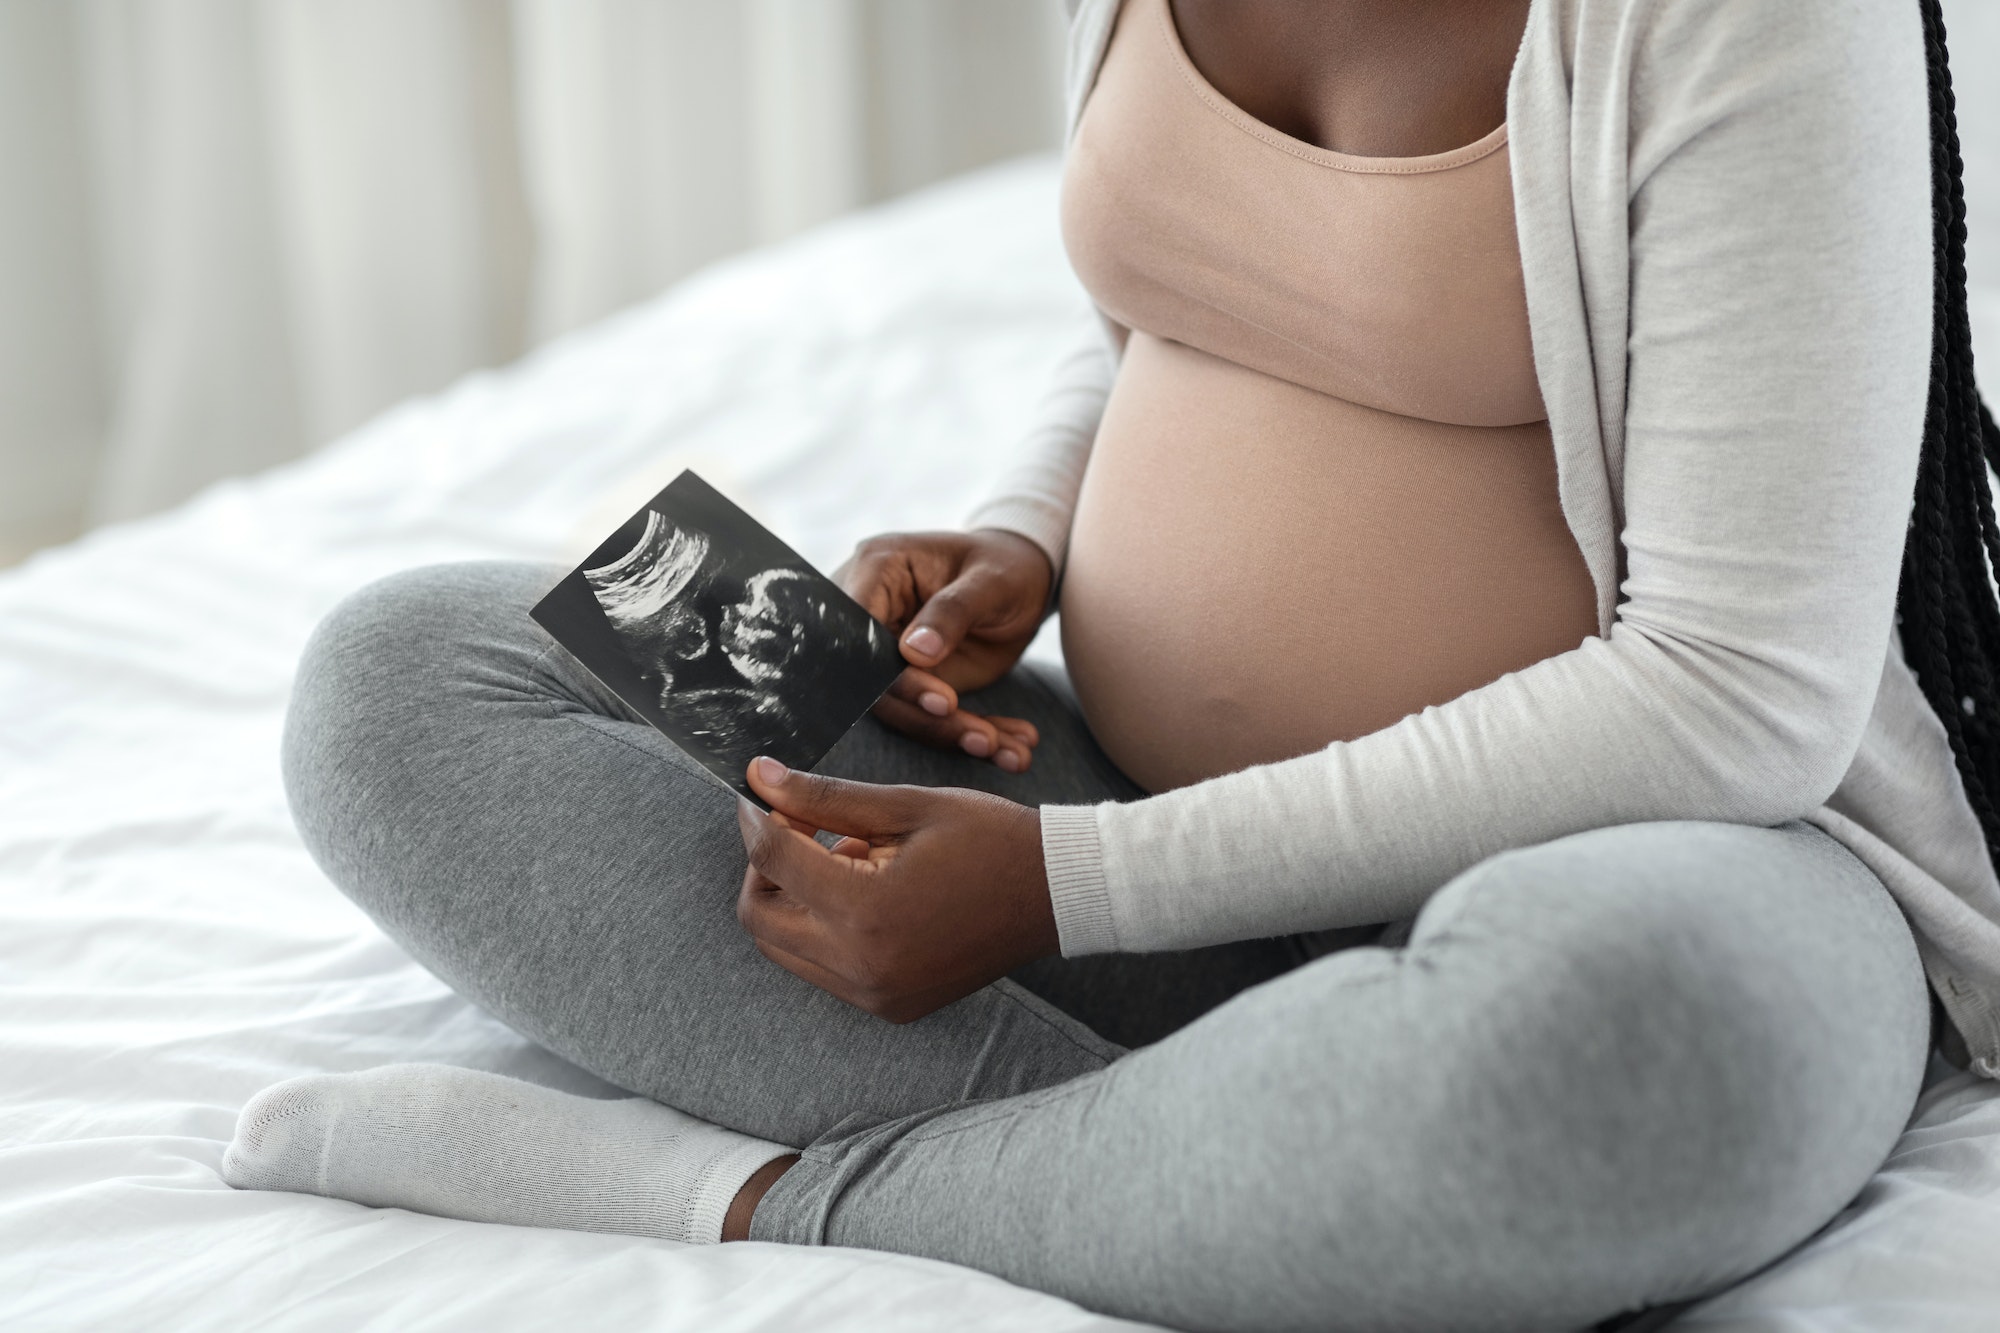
51, 400
1972, 31
232, 229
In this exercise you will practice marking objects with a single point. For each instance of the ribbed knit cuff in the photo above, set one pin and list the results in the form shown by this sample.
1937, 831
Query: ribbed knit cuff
1075, 863
720, 1180
1039, 522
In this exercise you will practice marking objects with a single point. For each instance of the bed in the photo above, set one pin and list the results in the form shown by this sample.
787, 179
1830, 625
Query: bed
167, 947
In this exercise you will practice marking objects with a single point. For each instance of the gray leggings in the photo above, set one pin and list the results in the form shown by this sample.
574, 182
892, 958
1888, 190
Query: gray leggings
1622, 1068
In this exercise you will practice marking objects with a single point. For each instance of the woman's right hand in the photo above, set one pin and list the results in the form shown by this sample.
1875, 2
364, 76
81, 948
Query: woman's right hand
965, 606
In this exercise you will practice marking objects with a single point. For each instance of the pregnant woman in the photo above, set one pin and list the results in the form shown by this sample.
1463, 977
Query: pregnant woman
1525, 763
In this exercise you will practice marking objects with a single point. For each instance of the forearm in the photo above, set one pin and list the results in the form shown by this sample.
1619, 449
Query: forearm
1366, 830
1037, 496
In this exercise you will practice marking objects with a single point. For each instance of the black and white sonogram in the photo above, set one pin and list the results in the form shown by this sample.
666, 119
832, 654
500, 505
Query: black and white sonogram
720, 635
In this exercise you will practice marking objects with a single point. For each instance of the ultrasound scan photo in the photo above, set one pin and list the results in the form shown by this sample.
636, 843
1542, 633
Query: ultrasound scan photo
720, 635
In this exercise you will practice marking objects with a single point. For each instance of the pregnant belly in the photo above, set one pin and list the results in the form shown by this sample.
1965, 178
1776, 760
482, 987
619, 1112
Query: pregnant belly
1257, 570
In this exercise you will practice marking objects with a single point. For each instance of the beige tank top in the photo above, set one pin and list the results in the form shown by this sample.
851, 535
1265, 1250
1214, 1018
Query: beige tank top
1323, 493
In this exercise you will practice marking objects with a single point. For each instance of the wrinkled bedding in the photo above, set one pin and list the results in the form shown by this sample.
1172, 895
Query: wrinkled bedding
167, 948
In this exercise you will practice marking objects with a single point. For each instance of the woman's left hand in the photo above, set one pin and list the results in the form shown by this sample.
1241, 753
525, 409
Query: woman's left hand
929, 895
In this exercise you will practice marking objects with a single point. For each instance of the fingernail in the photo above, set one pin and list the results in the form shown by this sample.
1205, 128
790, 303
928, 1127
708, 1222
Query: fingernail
1008, 760
975, 744
925, 640
934, 702
771, 770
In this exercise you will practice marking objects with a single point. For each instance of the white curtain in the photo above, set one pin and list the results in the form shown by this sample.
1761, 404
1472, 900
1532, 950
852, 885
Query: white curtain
1972, 30
232, 229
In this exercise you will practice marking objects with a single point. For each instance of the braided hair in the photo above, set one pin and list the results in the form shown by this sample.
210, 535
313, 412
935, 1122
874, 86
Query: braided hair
1945, 603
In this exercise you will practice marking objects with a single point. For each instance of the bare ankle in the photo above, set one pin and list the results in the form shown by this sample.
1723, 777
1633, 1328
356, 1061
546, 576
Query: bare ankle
736, 1222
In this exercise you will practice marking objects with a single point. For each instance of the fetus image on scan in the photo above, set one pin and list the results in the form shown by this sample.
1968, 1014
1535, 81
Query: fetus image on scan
731, 654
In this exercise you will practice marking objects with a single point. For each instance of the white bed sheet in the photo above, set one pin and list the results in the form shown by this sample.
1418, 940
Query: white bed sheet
167, 948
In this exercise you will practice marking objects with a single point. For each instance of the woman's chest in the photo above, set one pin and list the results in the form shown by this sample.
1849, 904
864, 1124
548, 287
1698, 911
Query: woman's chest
1377, 78
1390, 282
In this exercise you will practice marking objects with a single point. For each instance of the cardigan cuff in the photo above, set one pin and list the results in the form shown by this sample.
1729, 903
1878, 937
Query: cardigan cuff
1075, 864
1037, 520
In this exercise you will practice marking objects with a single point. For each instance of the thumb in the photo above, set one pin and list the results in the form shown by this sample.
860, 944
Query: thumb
856, 809
950, 613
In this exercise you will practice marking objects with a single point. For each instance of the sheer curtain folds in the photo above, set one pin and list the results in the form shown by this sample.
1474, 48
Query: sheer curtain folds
232, 229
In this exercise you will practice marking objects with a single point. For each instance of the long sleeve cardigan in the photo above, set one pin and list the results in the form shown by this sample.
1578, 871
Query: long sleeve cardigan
1724, 218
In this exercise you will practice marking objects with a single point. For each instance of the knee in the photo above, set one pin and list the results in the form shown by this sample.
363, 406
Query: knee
1755, 940
377, 683
1624, 1067
413, 622
1736, 1016
398, 621
1742, 944
393, 638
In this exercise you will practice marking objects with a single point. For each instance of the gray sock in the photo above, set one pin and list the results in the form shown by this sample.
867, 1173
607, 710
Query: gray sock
459, 1143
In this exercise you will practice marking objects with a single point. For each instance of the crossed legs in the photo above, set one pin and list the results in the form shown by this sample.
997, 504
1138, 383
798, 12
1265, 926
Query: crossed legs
1623, 1067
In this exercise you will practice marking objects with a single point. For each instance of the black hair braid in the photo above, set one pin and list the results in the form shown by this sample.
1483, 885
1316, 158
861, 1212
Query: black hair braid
1946, 604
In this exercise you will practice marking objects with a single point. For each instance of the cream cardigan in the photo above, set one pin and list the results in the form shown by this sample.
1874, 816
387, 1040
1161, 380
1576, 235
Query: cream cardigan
1724, 218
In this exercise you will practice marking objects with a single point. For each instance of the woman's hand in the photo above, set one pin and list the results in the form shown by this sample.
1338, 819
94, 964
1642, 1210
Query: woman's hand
928, 896
965, 605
